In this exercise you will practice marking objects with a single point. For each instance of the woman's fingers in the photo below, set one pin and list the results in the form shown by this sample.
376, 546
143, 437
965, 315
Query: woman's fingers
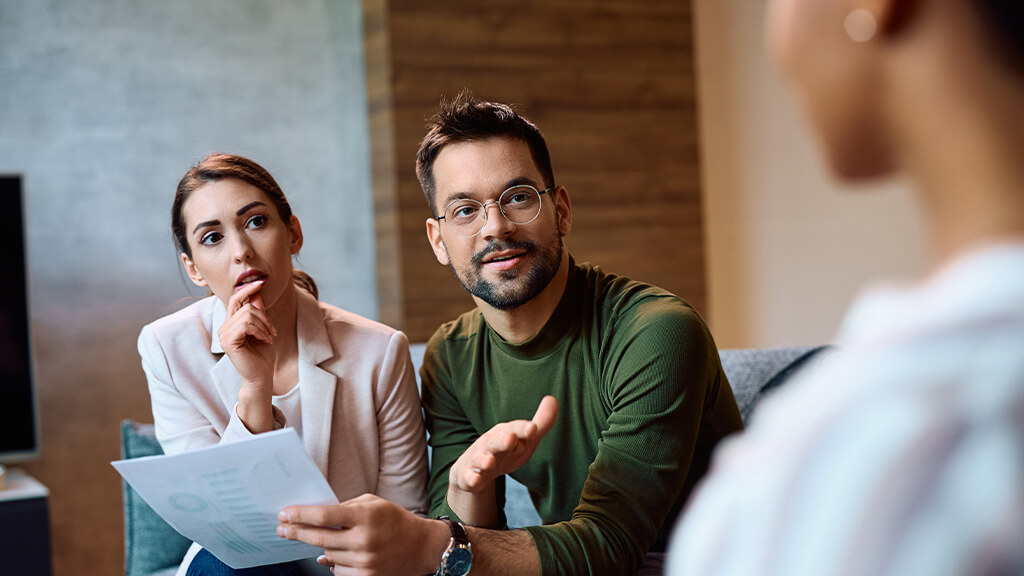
247, 313
252, 314
243, 295
257, 299
248, 321
258, 330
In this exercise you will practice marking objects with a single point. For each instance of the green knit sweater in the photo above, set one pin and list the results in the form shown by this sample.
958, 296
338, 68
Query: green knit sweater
642, 402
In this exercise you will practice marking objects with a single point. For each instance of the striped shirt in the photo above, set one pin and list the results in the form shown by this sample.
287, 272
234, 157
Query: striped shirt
900, 453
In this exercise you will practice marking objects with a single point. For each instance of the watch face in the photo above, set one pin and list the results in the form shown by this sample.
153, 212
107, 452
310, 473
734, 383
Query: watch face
458, 562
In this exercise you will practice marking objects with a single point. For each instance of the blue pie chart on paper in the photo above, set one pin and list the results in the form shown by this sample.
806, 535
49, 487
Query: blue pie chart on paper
186, 502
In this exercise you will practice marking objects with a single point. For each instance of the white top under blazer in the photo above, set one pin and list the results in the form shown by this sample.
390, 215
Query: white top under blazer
361, 417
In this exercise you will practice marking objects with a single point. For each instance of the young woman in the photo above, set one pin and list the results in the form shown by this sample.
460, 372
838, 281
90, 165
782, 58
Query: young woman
903, 451
261, 353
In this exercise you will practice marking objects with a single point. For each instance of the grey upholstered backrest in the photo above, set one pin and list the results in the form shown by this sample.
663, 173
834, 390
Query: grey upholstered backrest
754, 372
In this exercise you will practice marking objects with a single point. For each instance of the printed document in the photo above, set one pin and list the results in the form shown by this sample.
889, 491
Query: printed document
226, 497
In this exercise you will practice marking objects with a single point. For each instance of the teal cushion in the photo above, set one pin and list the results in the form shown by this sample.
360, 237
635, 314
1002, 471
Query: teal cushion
151, 546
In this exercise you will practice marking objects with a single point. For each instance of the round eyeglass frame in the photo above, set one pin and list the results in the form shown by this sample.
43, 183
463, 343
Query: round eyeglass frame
485, 205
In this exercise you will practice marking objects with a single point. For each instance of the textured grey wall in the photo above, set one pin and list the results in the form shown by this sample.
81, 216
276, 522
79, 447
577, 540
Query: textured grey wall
103, 105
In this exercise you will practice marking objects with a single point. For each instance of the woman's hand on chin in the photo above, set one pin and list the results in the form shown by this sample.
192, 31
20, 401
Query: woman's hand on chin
247, 337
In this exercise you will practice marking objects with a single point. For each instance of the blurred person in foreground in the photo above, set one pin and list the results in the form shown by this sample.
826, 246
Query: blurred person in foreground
902, 452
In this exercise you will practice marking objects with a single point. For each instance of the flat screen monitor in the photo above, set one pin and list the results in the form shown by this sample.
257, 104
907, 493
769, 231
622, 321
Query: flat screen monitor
19, 424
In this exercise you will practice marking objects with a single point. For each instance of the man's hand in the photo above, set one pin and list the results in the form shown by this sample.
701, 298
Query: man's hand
367, 536
502, 449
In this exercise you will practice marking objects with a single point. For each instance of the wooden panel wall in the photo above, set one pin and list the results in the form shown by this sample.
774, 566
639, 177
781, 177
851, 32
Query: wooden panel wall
384, 169
611, 84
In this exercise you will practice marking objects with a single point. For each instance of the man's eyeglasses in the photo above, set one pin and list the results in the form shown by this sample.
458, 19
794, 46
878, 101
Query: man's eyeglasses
519, 205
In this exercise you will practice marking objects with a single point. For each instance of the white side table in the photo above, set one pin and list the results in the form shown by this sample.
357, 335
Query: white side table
24, 526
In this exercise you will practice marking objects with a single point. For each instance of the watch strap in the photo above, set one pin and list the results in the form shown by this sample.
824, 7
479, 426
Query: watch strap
457, 530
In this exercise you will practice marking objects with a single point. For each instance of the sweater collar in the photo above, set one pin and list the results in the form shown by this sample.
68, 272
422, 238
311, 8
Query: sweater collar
562, 323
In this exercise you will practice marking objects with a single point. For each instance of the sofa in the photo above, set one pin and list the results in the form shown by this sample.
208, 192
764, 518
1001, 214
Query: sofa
153, 548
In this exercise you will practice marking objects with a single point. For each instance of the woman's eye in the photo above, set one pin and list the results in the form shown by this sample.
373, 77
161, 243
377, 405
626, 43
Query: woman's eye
210, 238
257, 221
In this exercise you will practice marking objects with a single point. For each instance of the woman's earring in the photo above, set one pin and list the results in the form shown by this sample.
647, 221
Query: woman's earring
861, 25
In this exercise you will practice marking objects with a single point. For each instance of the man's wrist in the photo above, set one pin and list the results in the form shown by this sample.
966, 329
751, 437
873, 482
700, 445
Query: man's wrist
457, 558
474, 508
436, 542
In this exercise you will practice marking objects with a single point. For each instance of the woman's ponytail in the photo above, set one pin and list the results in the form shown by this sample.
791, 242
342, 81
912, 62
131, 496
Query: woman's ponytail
305, 281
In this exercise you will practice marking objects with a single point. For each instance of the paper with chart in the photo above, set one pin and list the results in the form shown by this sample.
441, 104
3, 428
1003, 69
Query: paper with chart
227, 497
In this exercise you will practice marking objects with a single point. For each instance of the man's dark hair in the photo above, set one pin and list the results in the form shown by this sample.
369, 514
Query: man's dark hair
467, 118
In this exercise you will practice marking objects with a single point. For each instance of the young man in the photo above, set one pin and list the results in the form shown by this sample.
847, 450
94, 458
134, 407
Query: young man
622, 379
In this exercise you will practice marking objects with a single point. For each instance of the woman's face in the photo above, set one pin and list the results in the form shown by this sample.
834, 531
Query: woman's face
237, 236
836, 79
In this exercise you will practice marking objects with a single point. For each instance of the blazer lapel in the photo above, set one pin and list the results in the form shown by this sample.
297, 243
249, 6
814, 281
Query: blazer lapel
317, 385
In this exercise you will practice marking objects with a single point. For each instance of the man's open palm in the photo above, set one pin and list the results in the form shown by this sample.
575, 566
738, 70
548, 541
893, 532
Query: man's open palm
502, 449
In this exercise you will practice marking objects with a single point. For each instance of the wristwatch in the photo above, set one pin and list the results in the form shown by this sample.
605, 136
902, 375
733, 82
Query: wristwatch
458, 557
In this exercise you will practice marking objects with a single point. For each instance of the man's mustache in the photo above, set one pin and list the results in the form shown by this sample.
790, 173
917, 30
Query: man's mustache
499, 246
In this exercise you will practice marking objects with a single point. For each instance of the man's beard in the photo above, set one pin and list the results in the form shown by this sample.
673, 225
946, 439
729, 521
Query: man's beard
518, 287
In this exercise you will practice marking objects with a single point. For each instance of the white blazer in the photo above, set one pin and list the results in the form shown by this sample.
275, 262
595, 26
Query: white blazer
361, 418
